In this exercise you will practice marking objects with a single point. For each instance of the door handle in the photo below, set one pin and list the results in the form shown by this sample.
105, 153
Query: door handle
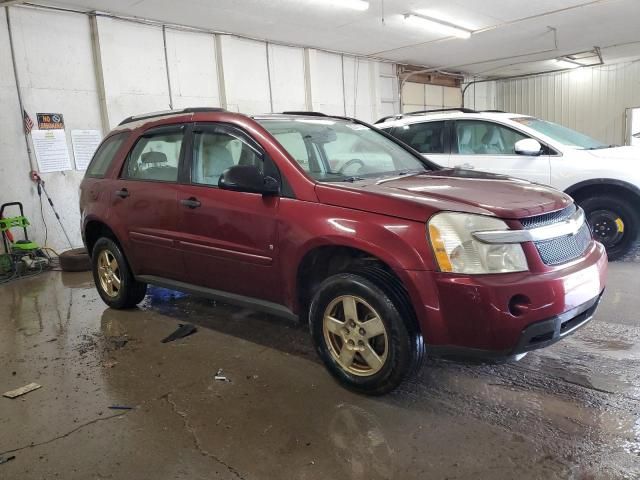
466, 166
122, 193
192, 202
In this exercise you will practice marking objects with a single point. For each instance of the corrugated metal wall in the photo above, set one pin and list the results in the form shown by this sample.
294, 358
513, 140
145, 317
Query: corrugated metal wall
590, 100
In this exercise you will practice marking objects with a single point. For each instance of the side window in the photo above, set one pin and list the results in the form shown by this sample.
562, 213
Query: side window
294, 144
104, 155
425, 137
477, 137
214, 152
155, 157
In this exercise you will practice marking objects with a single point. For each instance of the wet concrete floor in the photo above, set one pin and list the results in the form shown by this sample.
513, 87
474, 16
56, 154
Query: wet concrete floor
570, 411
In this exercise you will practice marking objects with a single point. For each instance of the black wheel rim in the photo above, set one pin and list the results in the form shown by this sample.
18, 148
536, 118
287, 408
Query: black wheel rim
607, 227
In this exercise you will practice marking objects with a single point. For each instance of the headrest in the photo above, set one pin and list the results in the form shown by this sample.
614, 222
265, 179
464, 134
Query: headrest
154, 157
492, 137
465, 135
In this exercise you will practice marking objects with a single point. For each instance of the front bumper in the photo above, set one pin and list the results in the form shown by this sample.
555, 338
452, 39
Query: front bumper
473, 314
547, 332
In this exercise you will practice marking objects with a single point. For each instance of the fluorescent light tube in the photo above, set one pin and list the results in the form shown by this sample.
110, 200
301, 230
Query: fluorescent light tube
437, 26
353, 4
566, 64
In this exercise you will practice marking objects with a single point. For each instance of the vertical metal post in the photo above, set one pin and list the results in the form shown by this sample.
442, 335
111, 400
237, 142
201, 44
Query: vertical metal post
97, 65
308, 100
18, 89
344, 89
222, 91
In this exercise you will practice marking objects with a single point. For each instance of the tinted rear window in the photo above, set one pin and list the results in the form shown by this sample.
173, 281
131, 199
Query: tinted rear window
424, 137
104, 155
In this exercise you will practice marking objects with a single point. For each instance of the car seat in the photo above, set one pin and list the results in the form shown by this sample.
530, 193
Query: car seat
492, 141
216, 159
465, 136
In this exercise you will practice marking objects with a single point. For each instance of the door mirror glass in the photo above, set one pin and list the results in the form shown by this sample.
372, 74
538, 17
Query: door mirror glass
528, 146
248, 178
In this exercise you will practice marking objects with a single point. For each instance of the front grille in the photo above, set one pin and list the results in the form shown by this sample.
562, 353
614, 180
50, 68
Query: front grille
548, 218
562, 249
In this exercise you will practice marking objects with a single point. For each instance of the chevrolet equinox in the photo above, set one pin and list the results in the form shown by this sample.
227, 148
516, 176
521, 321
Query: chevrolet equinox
387, 256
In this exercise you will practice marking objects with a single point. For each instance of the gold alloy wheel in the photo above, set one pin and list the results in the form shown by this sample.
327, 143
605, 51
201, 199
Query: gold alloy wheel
355, 335
109, 273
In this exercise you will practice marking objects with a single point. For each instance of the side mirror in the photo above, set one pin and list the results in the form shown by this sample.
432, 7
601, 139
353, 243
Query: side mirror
529, 147
248, 178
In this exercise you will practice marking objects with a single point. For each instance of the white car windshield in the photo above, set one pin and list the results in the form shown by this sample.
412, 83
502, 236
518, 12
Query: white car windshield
560, 134
330, 149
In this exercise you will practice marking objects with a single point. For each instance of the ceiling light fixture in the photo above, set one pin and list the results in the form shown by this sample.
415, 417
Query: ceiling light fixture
435, 25
566, 63
352, 4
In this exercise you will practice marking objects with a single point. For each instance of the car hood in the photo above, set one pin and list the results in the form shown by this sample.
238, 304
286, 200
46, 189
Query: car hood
617, 153
418, 196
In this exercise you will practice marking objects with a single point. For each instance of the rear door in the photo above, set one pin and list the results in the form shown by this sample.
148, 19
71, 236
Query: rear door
490, 147
144, 202
429, 138
228, 239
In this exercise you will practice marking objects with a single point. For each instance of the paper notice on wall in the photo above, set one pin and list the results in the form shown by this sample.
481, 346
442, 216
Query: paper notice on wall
51, 150
85, 143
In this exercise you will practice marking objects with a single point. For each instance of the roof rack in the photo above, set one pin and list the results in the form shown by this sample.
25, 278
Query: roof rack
438, 110
144, 116
302, 112
398, 116
492, 111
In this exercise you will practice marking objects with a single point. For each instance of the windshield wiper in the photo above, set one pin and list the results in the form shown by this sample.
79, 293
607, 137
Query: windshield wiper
351, 179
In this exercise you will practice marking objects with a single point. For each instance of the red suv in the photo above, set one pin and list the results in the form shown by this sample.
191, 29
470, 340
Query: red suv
386, 255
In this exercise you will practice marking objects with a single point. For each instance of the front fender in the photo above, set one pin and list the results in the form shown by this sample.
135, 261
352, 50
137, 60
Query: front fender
399, 243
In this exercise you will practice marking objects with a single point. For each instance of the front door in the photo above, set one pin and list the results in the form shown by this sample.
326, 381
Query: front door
490, 147
144, 201
228, 239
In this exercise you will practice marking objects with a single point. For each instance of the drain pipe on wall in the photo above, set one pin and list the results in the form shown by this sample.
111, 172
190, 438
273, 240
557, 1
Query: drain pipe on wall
166, 64
18, 89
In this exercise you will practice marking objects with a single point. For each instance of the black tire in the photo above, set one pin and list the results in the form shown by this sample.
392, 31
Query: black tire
75, 260
130, 291
405, 346
601, 212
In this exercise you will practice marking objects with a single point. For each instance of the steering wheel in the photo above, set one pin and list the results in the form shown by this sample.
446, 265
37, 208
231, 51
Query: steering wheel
350, 163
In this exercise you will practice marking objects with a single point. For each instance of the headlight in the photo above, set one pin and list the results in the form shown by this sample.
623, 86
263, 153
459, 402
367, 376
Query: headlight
457, 251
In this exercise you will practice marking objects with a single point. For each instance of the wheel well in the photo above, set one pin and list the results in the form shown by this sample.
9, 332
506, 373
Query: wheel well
95, 230
322, 262
586, 191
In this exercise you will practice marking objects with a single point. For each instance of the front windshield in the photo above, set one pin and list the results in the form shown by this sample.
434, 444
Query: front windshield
560, 134
332, 150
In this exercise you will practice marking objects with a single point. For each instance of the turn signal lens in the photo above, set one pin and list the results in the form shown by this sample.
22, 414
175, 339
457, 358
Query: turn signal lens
439, 250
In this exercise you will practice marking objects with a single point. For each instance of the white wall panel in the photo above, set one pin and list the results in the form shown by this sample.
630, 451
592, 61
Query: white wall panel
133, 64
590, 100
55, 59
245, 75
286, 67
360, 89
192, 69
481, 96
326, 82
57, 75
14, 164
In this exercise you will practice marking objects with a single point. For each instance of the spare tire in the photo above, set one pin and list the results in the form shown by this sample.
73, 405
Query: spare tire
75, 260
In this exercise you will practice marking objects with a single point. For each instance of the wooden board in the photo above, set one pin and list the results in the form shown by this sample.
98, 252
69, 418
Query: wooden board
22, 390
